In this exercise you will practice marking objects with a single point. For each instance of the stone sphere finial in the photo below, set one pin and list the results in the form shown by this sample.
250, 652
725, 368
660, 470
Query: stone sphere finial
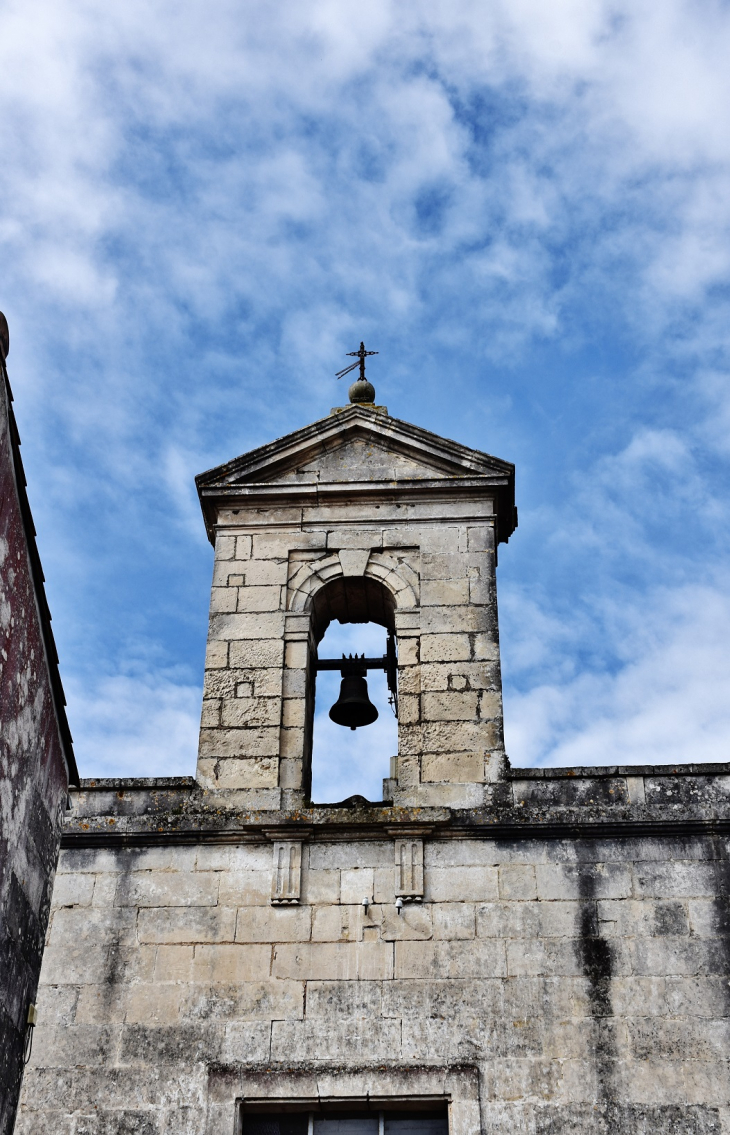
362, 391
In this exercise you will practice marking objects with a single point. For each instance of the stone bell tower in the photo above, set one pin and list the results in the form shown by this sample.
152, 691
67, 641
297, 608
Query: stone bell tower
362, 518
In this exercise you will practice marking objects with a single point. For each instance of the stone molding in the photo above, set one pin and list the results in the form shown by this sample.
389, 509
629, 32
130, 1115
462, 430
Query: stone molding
311, 1087
400, 579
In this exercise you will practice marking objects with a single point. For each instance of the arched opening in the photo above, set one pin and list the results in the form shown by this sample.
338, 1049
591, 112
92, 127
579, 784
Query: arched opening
351, 615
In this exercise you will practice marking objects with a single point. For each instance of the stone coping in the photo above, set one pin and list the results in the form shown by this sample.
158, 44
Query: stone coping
584, 772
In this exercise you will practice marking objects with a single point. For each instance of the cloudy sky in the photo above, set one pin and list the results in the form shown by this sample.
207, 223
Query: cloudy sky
524, 207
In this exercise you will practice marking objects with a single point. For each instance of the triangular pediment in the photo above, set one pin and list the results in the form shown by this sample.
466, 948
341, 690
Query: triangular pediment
356, 445
357, 450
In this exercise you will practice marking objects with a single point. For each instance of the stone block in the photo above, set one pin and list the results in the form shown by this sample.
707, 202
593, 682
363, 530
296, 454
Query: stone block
439, 538
356, 883
243, 1000
232, 858
408, 650
447, 621
383, 885
481, 538
352, 961
225, 547
266, 573
243, 887
168, 888
454, 768
454, 920
351, 854
458, 676
438, 959
584, 880
446, 647
91, 1045
107, 1002
320, 886
358, 1039
255, 654
254, 599
540, 920
291, 743
210, 715
73, 890
517, 881
249, 711
674, 879
174, 963
187, 924
460, 736
471, 884
239, 743
664, 957
244, 626
245, 1042
171, 1045
216, 655
344, 1000
296, 655
449, 565
274, 924
629, 918
223, 600
549, 957
450, 705
236, 962
444, 592
294, 684
259, 772
293, 713
412, 923
409, 709
485, 647
153, 1003
79, 926
338, 923
274, 546
57, 1004
290, 774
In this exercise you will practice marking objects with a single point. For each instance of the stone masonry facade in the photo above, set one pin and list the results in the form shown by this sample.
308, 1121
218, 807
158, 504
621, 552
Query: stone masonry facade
541, 951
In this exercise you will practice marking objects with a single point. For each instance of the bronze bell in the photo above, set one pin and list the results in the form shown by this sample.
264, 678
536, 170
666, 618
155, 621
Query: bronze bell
353, 707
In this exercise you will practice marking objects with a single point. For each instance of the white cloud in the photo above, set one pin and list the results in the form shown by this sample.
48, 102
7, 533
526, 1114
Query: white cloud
667, 703
142, 724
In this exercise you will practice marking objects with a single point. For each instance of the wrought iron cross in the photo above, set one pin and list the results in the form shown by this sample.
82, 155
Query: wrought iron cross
361, 355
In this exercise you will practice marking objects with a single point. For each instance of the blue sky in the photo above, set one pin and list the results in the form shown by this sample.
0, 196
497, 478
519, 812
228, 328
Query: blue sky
525, 208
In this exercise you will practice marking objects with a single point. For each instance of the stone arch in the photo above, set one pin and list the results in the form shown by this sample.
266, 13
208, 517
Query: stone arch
399, 579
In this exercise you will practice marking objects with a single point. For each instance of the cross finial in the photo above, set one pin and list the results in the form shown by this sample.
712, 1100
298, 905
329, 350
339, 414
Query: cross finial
361, 390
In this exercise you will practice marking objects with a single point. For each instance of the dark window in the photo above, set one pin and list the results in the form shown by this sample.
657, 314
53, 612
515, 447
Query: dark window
363, 1122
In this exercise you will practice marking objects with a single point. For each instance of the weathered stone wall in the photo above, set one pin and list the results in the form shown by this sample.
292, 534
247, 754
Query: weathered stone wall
33, 768
566, 970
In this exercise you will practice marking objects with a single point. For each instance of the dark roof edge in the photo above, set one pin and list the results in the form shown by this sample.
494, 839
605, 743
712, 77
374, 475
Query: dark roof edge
36, 570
